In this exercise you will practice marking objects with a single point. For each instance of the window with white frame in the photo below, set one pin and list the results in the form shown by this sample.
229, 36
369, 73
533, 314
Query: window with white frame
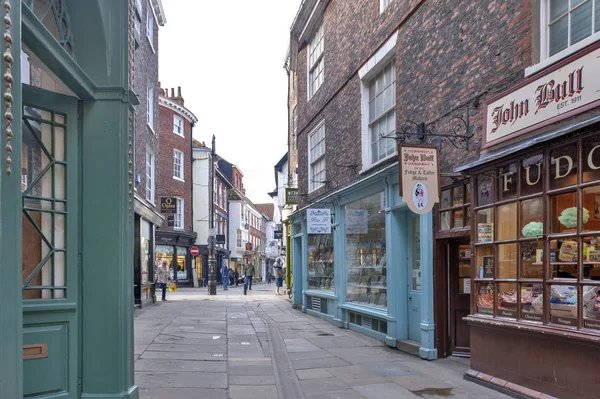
150, 24
178, 125
294, 128
316, 158
150, 107
178, 217
150, 177
239, 238
568, 22
383, 4
177, 164
382, 113
316, 63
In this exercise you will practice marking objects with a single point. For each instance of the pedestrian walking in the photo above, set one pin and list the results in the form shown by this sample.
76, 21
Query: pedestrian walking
162, 277
278, 267
269, 277
236, 276
225, 277
249, 272
231, 277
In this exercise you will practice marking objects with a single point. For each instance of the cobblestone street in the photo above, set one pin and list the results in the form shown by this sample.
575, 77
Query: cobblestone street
257, 346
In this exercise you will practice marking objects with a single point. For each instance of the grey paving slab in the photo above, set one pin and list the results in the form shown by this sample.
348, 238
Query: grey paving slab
323, 385
337, 394
181, 380
320, 354
250, 370
357, 375
186, 348
300, 345
312, 374
253, 392
316, 363
419, 383
185, 356
179, 365
252, 380
391, 369
384, 391
182, 393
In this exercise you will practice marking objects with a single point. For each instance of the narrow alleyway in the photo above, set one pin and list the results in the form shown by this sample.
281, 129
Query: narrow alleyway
256, 346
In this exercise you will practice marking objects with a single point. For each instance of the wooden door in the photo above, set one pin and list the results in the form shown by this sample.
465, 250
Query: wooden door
459, 270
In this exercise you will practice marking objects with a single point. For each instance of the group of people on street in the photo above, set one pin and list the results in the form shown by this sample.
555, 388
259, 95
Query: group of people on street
229, 276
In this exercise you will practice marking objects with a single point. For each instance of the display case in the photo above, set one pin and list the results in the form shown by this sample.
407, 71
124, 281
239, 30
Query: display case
320, 262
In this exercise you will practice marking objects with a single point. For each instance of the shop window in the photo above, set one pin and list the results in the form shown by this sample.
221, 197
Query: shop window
365, 261
164, 252
320, 262
507, 182
454, 207
181, 264
145, 248
522, 265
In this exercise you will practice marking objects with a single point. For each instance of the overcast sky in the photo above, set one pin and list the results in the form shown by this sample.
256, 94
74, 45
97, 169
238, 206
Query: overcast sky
228, 58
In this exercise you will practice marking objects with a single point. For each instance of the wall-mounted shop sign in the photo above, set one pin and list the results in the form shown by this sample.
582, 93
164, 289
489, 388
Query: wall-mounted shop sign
168, 205
318, 221
278, 234
291, 196
419, 177
568, 88
220, 239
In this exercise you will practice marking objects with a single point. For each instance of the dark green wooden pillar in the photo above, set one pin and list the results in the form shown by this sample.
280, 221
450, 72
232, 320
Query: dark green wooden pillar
11, 330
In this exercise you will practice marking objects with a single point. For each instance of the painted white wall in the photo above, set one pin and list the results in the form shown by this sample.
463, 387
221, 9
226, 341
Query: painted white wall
200, 177
235, 223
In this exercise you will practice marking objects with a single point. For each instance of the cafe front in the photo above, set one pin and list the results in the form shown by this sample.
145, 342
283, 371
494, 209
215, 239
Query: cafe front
534, 204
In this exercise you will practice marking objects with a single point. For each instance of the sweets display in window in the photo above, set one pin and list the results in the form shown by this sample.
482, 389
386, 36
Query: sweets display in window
568, 251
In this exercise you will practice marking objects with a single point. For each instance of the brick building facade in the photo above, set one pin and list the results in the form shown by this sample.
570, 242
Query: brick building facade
174, 193
367, 70
149, 17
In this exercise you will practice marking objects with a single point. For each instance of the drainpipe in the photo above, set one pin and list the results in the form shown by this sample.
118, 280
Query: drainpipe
194, 272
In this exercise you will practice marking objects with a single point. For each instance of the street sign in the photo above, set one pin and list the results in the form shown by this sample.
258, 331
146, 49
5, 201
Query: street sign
194, 251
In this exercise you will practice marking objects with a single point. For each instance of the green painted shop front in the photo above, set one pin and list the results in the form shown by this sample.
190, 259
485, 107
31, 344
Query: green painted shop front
66, 201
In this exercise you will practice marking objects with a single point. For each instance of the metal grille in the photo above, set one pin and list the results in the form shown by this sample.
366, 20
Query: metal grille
54, 16
316, 304
367, 322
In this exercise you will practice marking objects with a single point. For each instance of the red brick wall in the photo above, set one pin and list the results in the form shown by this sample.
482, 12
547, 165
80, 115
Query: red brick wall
168, 141
450, 54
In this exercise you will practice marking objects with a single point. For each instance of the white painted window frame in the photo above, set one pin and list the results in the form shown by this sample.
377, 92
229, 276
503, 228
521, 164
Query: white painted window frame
150, 107
178, 156
178, 125
318, 37
383, 4
366, 73
545, 59
312, 185
150, 177
150, 25
179, 219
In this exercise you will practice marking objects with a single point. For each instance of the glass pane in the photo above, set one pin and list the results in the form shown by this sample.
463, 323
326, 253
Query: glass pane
532, 259
591, 307
559, 35
558, 8
507, 300
485, 225
458, 197
591, 154
485, 298
581, 23
532, 212
563, 258
365, 259
563, 305
591, 258
320, 262
458, 217
507, 182
532, 302
445, 220
597, 16
532, 176
446, 201
507, 221
563, 166
507, 261
564, 213
468, 214
485, 195
485, 261
591, 208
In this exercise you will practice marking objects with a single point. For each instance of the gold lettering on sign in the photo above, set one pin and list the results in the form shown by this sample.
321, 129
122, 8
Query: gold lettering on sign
528, 176
569, 161
590, 161
507, 179
37, 351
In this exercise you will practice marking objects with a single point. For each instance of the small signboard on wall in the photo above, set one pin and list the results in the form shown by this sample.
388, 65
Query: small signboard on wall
168, 205
419, 177
291, 196
318, 221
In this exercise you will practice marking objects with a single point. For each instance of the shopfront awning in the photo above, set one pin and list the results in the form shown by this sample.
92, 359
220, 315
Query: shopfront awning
541, 136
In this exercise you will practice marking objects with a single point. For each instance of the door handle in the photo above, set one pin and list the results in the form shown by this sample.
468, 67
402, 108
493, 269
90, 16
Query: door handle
410, 298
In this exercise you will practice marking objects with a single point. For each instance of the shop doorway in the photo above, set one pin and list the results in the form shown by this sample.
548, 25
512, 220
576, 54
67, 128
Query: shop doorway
459, 295
414, 278
50, 192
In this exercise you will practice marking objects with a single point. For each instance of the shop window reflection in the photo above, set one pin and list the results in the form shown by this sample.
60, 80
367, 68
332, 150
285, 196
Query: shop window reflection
532, 176
320, 262
591, 204
507, 223
563, 166
564, 213
532, 262
507, 182
591, 159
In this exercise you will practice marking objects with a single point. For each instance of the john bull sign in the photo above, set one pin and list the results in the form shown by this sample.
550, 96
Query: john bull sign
419, 177
566, 89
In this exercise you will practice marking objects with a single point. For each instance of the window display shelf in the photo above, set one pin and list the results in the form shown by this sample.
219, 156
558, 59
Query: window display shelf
378, 287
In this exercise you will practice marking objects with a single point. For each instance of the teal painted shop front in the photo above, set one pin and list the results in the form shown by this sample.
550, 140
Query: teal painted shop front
373, 273
66, 200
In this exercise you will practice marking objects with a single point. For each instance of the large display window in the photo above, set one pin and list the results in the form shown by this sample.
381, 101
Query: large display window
537, 237
145, 250
320, 262
365, 257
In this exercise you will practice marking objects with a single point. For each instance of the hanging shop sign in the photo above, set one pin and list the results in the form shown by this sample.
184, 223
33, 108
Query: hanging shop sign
565, 90
318, 221
419, 177
220, 239
168, 205
291, 196
278, 234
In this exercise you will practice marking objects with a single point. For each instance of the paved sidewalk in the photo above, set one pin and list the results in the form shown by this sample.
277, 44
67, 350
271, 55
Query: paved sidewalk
232, 346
